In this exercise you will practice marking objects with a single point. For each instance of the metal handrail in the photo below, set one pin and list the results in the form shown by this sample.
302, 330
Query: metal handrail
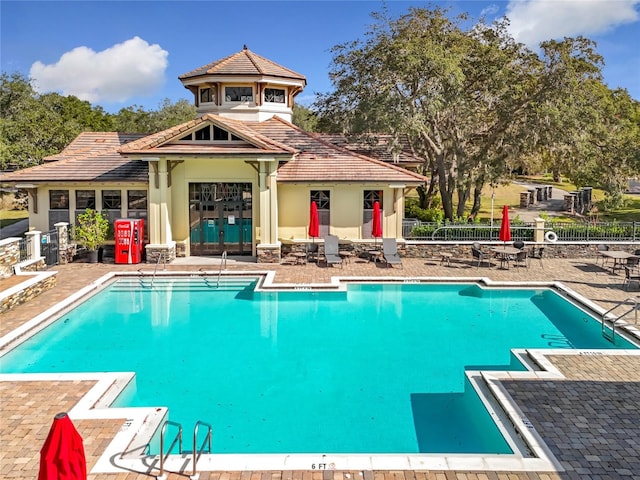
223, 261
160, 257
198, 451
634, 308
178, 437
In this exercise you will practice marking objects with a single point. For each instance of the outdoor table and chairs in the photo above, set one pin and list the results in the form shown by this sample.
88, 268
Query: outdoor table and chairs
505, 254
619, 257
375, 255
346, 255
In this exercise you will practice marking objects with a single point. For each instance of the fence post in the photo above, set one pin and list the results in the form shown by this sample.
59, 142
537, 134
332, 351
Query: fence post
63, 241
538, 232
34, 241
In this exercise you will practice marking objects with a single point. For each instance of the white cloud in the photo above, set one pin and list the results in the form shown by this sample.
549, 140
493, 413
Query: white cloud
128, 69
489, 10
534, 21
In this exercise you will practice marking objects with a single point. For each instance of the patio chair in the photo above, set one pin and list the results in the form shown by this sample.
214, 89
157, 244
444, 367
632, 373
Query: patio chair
312, 252
331, 251
521, 259
390, 252
537, 253
629, 278
519, 244
602, 248
479, 256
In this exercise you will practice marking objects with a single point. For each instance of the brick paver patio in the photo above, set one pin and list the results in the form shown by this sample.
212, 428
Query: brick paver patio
590, 419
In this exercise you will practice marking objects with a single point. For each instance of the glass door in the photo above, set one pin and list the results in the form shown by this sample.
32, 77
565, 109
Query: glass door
220, 218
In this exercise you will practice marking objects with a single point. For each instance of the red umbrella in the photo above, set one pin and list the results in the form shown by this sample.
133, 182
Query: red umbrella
314, 223
505, 227
376, 229
62, 455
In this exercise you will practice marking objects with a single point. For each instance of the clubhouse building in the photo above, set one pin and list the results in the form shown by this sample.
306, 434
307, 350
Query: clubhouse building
239, 178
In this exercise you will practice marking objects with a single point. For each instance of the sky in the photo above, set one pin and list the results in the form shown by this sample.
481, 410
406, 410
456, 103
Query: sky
120, 53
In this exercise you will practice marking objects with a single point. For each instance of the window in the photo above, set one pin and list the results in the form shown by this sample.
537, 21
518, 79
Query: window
59, 199
323, 201
206, 95
137, 200
85, 199
274, 95
222, 135
238, 94
111, 199
322, 198
203, 133
369, 198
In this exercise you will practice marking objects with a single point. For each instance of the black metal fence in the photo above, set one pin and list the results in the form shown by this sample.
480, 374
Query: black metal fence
25, 248
49, 247
565, 231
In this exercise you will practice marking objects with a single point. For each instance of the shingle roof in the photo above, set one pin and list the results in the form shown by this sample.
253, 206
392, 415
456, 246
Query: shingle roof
322, 161
376, 146
244, 62
90, 157
306, 158
160, 143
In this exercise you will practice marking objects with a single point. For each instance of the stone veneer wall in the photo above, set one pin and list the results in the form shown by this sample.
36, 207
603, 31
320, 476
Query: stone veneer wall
268, 254
153, 253
462, 250
9, 256
26, 294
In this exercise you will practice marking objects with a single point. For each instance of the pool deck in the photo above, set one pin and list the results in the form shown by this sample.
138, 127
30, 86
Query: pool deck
589, 416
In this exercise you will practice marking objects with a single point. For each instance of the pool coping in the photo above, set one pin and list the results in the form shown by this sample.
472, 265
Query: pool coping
126, 449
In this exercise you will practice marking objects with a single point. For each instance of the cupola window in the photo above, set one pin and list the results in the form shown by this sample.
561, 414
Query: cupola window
207, 95
238, 94
274, 95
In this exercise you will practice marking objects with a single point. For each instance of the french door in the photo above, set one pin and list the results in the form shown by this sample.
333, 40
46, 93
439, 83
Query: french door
220, 218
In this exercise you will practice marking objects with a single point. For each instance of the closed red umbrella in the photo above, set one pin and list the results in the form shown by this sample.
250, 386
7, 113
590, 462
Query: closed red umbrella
62, 455
505, 227
376, 229
314, 223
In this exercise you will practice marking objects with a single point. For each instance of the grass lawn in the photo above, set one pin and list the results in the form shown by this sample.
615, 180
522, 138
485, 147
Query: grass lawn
7, 217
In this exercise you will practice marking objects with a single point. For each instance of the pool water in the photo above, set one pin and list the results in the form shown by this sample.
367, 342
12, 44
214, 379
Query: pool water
378, 368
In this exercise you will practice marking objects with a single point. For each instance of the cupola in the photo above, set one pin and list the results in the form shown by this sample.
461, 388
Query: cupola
244, 86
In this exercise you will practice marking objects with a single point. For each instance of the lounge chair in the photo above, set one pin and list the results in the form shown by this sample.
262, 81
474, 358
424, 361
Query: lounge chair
331, 251
390, 252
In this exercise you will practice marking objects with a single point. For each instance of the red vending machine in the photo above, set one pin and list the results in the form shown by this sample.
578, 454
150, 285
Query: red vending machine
129, 240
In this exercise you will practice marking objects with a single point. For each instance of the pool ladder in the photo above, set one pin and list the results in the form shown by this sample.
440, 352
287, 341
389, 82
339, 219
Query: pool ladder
223, 263
196, 452
629, 301
162, 257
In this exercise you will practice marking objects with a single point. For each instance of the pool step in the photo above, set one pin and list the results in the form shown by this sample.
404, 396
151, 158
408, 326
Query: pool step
184, 285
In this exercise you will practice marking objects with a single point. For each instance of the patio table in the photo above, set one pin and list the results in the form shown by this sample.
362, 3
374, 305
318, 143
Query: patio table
505, 254
619, 258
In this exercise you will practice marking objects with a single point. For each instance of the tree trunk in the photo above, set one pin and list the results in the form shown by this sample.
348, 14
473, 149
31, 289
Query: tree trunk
446, 193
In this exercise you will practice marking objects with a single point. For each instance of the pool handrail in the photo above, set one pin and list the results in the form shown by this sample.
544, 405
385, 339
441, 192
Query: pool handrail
160, 257
223, 262
178, 437
198, 451
628, 301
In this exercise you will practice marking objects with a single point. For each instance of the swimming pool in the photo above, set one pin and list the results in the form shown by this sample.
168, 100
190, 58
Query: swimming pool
376, 368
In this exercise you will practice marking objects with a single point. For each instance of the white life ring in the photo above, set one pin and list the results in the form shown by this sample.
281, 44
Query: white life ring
551, 236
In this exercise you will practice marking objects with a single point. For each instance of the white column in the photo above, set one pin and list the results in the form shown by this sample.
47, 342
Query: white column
34, 242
